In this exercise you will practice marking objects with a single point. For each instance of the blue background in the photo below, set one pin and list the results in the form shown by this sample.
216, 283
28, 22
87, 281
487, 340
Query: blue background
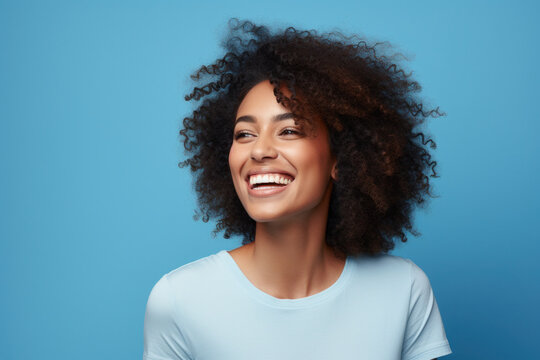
94, 208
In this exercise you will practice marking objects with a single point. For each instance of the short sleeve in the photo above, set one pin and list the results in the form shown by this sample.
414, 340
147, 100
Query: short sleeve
425, 338
163, 339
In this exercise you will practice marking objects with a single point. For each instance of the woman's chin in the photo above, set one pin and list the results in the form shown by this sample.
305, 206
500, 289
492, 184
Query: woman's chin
267, 216
277, 217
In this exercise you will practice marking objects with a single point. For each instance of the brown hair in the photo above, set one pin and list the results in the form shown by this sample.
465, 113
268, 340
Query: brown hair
369, 104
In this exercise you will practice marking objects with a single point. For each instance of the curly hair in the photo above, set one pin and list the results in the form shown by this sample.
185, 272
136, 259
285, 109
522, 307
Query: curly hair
369, 104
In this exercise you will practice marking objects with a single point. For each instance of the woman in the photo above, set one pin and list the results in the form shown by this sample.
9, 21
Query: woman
304, 145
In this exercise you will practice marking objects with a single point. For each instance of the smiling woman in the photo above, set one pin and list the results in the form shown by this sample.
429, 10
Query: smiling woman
270, 147
304, 145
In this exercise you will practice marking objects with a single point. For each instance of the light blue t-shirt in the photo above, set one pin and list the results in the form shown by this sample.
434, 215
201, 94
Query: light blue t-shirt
381, 308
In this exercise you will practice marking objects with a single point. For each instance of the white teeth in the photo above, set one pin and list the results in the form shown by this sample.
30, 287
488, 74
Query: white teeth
266, 178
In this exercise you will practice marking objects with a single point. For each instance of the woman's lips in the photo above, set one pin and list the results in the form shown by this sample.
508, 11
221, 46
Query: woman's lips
266, 190
269, 175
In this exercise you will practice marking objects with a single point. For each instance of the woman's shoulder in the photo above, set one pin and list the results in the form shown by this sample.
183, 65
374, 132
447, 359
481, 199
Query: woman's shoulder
195, 271
191, 282
381, 262
390, 268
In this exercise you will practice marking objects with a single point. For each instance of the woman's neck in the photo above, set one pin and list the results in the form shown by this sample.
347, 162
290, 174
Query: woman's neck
290, 259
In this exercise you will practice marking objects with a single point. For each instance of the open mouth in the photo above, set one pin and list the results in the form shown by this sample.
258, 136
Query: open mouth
269, 181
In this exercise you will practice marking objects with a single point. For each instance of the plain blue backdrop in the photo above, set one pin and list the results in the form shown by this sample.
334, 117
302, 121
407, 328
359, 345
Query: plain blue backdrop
94, 209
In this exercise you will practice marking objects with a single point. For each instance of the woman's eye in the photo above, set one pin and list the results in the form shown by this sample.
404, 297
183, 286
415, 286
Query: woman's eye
244, 134
241, 134
289, 131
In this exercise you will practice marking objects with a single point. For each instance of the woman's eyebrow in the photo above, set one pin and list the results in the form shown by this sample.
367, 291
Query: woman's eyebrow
279, 117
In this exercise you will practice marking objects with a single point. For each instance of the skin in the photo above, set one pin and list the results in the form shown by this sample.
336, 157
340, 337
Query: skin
289, 258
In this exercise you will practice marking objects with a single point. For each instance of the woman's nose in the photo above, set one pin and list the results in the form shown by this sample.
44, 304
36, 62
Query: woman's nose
263, 148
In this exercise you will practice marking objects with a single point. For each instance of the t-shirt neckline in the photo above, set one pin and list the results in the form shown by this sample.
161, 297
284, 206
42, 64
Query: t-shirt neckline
308, 301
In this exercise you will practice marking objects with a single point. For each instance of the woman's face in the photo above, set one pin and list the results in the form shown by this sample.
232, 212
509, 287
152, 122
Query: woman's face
279, 171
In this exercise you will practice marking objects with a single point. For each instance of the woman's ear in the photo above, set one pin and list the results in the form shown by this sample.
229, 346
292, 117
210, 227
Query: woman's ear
334, 171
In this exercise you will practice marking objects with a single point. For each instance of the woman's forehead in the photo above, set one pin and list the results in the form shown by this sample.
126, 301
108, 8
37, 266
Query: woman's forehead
260, 97
261, 103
